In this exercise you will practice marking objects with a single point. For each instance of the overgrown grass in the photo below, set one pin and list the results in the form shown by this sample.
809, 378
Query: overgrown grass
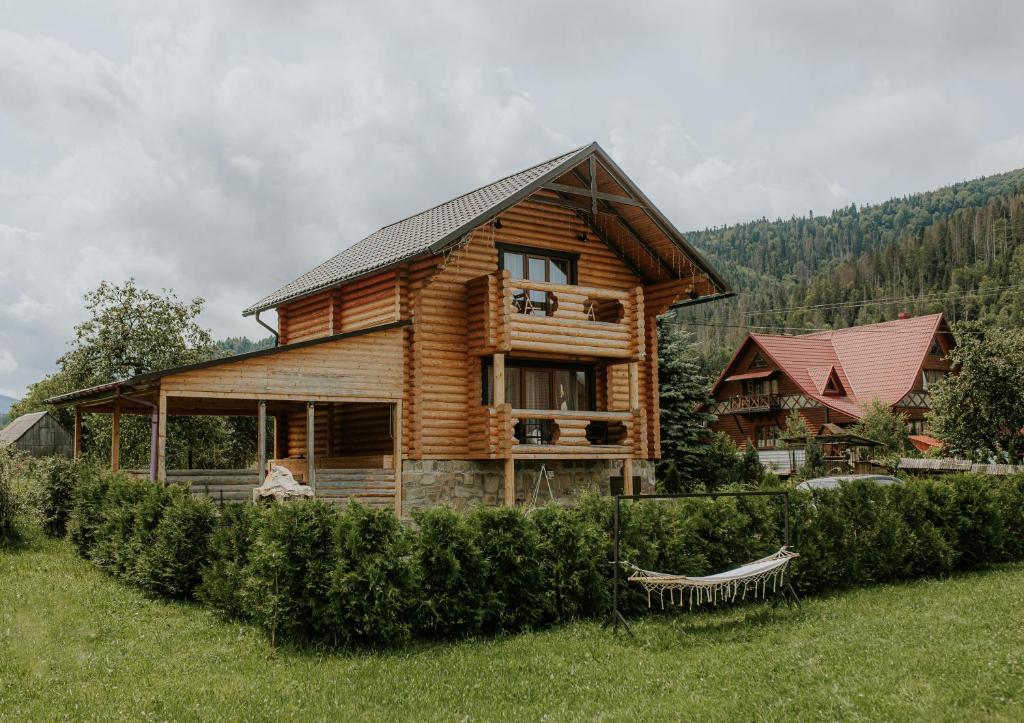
75, 643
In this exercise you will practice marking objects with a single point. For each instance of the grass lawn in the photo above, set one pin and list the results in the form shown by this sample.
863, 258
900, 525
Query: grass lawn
76, 644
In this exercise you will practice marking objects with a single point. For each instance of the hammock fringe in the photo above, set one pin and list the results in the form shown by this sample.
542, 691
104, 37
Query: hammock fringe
725, 585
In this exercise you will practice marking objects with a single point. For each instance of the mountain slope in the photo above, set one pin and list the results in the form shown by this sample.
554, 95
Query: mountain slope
959, 250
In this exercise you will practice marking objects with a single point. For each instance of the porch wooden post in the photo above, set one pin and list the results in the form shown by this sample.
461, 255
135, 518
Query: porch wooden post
115, 437
634, 406
396, 453
510, 482
261, 439
311, 447
277, 432
78, 433
498, 381
161, 439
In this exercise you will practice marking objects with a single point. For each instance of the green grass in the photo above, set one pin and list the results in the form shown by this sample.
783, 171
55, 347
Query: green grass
77, 644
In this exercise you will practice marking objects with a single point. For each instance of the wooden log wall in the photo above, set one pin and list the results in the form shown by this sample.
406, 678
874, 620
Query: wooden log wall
440, 377
444, 393
361, 304
362, 366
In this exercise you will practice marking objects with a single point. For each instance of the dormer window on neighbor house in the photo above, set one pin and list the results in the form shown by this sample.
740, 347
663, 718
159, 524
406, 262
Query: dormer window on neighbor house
833, 387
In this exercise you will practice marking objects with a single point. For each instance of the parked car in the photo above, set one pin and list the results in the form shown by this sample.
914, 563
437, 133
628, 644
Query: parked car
827, 483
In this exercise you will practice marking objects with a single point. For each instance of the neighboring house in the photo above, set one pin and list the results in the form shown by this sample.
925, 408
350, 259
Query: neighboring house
446, 357
38, 434
829, 377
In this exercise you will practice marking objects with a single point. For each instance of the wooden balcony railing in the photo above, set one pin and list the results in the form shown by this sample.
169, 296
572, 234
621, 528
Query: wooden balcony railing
507, 315
748, 404
559, 433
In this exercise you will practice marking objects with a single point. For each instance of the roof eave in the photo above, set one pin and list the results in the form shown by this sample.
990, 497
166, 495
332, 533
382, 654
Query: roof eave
674, 234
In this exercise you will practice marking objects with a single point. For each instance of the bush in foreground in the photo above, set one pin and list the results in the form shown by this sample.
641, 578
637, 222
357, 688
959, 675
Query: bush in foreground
308, 572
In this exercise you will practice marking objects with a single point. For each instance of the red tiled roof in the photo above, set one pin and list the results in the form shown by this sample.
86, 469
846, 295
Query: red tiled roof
923, 442
874, 361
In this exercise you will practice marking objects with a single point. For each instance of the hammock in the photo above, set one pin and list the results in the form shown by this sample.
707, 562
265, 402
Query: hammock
724, 586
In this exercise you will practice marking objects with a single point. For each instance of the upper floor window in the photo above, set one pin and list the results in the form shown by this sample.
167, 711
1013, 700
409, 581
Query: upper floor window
935, 349
537, 265
760, 387
930, 377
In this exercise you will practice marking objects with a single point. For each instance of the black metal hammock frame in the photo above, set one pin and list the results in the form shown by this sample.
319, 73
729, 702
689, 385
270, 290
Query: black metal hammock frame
724, 586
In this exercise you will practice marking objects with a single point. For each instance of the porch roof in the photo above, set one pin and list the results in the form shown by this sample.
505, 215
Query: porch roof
137, 392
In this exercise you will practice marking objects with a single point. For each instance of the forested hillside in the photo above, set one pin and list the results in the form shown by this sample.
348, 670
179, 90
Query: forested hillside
959, 250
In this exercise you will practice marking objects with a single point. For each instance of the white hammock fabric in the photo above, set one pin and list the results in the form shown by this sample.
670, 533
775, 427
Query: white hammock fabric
724, 586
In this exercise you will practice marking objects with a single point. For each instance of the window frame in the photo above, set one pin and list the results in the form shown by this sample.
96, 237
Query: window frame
542, 253
487, 378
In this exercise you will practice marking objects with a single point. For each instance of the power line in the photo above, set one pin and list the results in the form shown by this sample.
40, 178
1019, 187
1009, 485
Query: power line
889, 300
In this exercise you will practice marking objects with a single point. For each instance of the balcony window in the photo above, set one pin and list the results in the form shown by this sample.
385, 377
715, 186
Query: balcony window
760, 387
537, 265
543, 387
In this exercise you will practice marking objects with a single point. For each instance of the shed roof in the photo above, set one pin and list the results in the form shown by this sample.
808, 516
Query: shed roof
17, 428
435, 229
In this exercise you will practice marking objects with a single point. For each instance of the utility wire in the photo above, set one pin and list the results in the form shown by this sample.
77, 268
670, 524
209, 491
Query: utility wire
889, 300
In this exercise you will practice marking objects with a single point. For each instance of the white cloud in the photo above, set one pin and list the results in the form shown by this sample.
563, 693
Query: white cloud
222, 149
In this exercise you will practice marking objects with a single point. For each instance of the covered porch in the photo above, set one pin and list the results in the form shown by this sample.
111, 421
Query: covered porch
328, 410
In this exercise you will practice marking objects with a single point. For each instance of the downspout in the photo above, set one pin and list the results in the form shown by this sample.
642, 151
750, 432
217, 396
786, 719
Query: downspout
154, 423
268, 327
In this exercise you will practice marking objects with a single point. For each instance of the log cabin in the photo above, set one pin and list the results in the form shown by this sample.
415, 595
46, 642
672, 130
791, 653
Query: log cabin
449, 357
829, 378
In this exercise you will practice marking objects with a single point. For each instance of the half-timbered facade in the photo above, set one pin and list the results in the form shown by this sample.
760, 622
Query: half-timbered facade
458, 350
829, 378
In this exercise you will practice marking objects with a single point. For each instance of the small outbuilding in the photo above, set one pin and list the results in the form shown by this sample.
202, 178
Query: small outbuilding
38, 434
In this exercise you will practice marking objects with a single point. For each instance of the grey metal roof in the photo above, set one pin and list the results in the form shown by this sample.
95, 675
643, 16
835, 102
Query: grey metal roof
13, 431
428, 230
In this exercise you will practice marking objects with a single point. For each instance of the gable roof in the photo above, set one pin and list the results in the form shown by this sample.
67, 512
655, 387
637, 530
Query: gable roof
874, 361
437, 228
17, 428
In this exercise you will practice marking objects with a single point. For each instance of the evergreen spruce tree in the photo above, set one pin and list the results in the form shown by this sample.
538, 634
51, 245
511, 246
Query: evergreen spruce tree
750, 471
683, 392
814, 459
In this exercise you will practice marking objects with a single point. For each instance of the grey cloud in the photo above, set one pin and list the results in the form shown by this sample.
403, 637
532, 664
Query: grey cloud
223, 148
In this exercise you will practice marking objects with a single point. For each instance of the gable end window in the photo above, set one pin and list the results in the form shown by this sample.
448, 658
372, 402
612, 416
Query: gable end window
758, 362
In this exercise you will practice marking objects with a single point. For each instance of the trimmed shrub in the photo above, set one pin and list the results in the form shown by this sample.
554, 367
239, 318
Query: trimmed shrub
291, 563
172, 564
131, 511
9, 467
306, 572
88, 508
571, 552
223, 577
513, 575
373, 585
453, 594
59, 478
1010, 501
976, 521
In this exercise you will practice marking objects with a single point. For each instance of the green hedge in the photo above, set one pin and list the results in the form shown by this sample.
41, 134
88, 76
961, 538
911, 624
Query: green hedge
308, 572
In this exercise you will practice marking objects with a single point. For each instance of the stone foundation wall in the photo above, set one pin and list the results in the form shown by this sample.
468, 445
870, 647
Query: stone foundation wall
465, 483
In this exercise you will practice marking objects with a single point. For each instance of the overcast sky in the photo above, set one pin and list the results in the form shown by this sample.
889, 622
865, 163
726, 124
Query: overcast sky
221, 149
